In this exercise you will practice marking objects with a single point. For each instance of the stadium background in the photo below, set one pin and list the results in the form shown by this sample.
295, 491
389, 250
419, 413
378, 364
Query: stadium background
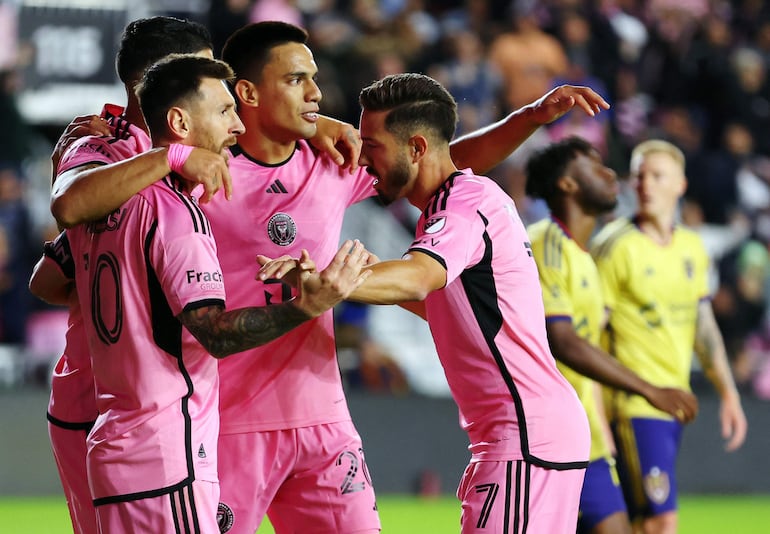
691, 71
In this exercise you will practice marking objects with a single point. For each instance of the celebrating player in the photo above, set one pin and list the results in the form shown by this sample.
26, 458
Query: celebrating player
472, 266
286, 398
142, 273
72, 405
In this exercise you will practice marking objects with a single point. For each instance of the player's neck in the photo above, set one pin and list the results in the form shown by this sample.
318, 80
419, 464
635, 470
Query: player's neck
264, 149
659, 229
579, 224
133, 113
434, 170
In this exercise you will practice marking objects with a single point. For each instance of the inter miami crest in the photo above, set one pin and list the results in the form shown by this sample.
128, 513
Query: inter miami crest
224, 517
282, 229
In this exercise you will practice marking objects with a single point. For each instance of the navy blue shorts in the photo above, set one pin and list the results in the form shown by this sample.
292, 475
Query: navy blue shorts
647, 451
601, 496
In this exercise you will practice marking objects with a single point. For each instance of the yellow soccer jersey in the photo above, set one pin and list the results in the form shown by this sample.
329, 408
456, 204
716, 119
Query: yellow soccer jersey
652, 292
571, 292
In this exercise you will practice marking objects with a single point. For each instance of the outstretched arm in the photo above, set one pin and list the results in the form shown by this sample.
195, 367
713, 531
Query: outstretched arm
485, 148
710, 349
409, 279
591, 361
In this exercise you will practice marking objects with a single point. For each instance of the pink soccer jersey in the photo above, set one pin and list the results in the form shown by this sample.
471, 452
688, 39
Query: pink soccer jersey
489, 327
293, 381
72, 403
126, 141
157, 395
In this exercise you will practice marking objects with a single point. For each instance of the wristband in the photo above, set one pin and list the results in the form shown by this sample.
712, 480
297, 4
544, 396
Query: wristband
177, 155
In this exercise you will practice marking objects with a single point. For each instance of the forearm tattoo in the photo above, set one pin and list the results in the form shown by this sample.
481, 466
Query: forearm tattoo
226, 332
704, 342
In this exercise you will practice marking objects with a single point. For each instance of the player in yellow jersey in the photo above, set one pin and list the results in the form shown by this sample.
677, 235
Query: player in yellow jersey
654, 280
571, 177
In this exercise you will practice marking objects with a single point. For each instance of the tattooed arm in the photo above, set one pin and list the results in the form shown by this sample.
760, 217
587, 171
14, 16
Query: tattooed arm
226, 332
223, 333
711, 352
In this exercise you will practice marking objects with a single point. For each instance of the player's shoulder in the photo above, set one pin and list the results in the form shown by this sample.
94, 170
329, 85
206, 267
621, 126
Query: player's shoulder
612, 237
545, 229
168, 197
688, 235
470, 188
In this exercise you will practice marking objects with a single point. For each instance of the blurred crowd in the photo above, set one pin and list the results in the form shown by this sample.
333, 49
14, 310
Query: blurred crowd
694, 72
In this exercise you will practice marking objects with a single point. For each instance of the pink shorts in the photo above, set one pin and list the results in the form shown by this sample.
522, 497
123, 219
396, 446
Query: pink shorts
309, 480
69, 451
516, 497
189, 510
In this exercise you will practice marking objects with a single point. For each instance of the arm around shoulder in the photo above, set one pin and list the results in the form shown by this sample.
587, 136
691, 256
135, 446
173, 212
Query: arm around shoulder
90, 192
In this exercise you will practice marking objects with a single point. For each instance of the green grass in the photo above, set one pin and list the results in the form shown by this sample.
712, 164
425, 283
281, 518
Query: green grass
748, 514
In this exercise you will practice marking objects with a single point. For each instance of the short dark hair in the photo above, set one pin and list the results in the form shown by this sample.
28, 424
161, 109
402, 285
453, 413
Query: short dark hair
547, 165
415, 101
248, 50
171, 81
148, 40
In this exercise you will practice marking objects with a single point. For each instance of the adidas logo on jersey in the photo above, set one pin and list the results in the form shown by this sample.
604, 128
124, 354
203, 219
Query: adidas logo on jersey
201, 452
276, 187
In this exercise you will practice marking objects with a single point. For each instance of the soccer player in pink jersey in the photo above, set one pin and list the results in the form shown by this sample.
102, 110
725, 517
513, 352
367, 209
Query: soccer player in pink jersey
72, 405
152, 452
285, 400
471, 274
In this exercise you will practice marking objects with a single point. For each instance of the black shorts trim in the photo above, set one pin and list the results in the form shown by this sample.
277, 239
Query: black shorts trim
85, 425
127, 497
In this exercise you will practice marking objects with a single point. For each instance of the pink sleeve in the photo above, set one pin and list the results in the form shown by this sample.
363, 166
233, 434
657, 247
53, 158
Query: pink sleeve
95, 150
184, 256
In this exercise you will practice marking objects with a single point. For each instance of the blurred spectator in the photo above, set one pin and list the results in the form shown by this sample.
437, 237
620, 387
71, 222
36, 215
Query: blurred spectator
15, 134
527, 58
740, 304
631, 32
480, 17
708, 59
224, 17
673, 25
15, 223
364, 363
283, 10
8, 36
591, 45
715, 188
630, 114
749, 95
471, 80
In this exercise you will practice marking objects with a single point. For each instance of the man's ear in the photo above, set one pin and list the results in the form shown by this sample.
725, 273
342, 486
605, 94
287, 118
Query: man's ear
418, 147
567, 184
246, 93
178, 121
